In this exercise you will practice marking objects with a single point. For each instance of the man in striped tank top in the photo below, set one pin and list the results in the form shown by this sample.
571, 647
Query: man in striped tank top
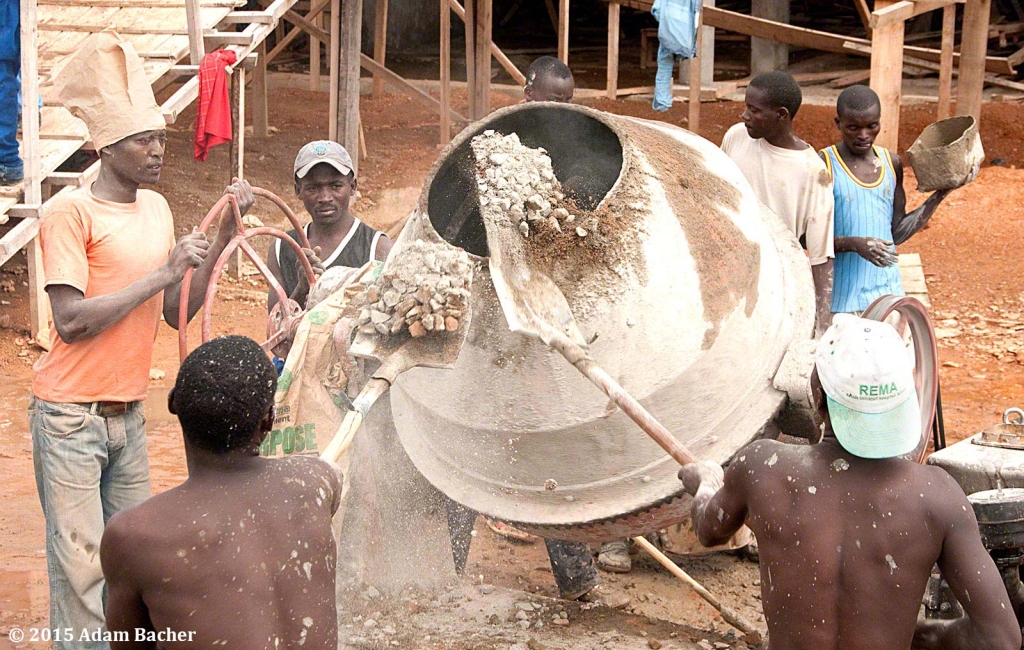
325, 182
870, 205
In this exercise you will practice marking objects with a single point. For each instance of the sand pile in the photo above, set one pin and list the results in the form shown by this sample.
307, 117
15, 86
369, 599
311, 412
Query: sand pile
518, 181
425, 288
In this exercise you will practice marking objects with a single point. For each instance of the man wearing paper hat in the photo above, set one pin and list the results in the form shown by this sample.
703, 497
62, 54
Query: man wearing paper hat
848, 528
112, 268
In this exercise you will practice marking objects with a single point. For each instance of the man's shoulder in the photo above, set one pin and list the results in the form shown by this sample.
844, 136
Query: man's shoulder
152, 199
735, 136
323, 473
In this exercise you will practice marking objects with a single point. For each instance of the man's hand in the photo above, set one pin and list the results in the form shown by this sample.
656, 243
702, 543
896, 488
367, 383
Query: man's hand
877, 251
243, 194
314, 260
705, 476
188, 253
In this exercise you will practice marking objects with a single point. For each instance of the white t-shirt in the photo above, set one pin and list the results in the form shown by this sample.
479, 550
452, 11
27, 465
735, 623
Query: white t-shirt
794, 184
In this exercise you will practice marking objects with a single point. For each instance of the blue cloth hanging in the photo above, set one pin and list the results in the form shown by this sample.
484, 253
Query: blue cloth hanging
677, 37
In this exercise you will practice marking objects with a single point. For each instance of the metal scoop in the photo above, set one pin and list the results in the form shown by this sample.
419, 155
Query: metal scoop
534, 305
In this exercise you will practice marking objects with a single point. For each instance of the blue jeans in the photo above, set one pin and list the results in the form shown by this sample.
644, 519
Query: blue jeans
87, 468
663, 80
10, 87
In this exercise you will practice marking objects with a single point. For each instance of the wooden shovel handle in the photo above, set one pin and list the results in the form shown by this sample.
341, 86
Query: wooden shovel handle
353, 419
578, 357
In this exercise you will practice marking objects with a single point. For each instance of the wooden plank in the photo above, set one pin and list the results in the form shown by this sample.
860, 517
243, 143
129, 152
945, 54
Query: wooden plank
314, 55
446, 72
987, 78
1016, 58
813, 39
219, 39
695, 84
237, 17
5, 204
307, 26
380, 44
498, 54
469, 19
973, 46
887, 75
292, 34
403, 85
856, 77
865, 14
196, 43
902, 11
563, 31
31, 153
612, 84
946, 62
17, 237
334, 57
482, 55
552, 14
38, 301
260, 111
348, 89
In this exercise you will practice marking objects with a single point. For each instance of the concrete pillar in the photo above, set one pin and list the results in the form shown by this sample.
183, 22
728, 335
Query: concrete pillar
766, 55
707, 54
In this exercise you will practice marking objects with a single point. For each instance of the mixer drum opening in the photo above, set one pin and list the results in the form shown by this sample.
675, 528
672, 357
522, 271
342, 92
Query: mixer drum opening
586, 157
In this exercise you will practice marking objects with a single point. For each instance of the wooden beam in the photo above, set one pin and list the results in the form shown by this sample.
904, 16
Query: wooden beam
482, 55
552, 14
1016, 58
316, 8
855, 77
695, 83
403, 85
563, 31
612, 85
865, 14
194, 20
348, 88
246, 17
219, 39
505, 62
307, 25
814, 39
469, 20
946, 62
32, 186
236, 169
973, 46
902, 11
314, 55
260, 112
334, 56
887, 75
16, 238
446, 72
380, 44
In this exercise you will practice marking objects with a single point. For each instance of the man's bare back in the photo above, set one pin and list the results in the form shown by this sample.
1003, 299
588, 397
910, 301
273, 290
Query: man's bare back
245, 559
846, 544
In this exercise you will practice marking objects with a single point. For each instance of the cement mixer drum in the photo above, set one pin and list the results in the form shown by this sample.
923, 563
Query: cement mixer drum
690, 291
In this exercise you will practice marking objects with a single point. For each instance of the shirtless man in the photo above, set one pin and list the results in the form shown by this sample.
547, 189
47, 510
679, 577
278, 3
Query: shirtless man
848, 530
241, 554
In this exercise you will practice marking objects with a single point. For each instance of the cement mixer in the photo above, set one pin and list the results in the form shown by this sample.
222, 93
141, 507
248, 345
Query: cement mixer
692, 295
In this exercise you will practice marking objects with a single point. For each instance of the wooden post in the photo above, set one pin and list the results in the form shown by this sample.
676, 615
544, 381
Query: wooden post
973, 44
482, 58
563, 31
349, 69
380, 44
260, 113
236, 150
469, 21
613, 49
334, 58
314, 56
695, 82
946, 62
446, 71
194, 19
887, 76
766, 55
38, 303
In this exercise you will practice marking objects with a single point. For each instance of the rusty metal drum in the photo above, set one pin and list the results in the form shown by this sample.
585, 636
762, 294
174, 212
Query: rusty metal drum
690, 291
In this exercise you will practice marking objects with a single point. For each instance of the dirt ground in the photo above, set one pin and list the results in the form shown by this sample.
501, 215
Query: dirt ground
971, 261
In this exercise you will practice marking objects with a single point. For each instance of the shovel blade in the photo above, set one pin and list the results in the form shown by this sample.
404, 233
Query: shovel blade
533, 304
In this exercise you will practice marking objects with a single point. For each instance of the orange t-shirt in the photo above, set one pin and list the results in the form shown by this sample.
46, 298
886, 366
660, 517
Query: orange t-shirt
101, 247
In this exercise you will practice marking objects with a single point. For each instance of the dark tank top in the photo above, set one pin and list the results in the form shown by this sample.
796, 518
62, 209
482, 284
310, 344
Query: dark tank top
355, 250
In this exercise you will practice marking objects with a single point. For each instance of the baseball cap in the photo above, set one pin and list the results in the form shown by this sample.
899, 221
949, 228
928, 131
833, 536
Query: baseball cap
867, 374
322, 151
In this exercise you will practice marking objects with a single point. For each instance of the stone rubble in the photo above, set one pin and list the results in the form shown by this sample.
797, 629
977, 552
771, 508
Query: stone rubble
518, 181
425, 291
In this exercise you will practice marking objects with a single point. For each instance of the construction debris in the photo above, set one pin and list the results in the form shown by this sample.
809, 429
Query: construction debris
425, 290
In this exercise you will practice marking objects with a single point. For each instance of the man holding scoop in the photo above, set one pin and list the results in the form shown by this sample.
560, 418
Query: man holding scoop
849, 531
112, 268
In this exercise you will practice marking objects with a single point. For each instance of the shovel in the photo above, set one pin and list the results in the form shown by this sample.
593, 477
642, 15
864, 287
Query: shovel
534, 305
435, 350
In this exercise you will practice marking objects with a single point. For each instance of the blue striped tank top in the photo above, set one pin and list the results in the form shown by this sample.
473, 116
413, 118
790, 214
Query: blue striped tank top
862, 210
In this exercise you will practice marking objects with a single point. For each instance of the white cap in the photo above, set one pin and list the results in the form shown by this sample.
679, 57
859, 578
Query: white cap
867, 373
322, 151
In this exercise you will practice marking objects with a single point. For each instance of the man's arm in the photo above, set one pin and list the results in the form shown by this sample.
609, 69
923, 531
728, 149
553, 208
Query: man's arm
877, 251
905, 226
76, 317
226, 229
822, 276
989, 622
383, 249
126, 610
301, 291
719, 502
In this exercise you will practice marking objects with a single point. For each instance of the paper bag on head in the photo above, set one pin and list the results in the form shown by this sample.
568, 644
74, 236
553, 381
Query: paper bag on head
103, 83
